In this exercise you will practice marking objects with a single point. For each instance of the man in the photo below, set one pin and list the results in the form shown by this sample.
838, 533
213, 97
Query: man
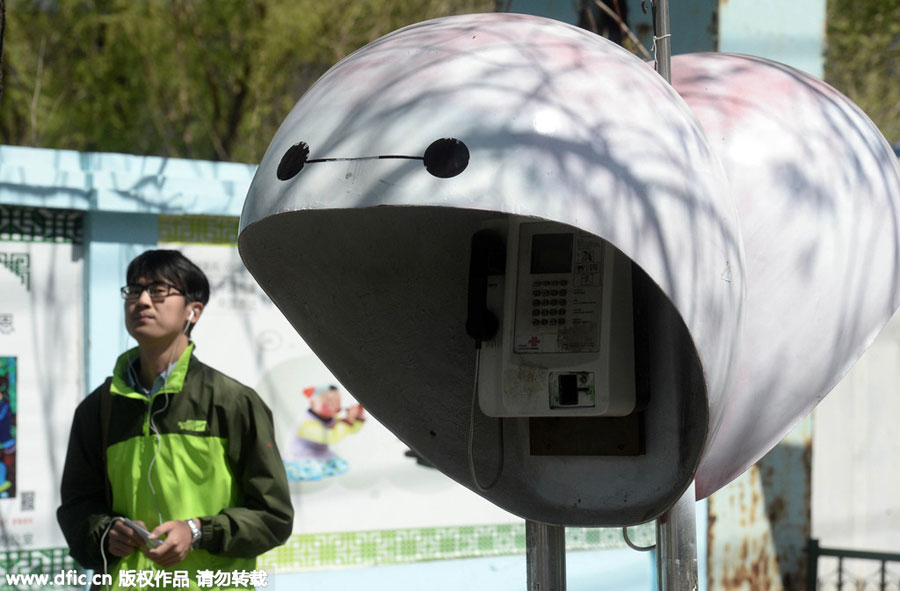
175, 446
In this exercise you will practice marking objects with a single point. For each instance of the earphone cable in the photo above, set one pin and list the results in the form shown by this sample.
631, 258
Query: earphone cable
165, 393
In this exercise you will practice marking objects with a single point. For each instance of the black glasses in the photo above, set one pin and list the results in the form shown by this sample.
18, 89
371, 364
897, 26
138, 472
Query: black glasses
158, 291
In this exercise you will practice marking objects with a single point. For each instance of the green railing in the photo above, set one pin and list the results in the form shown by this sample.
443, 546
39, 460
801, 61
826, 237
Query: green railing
872, 571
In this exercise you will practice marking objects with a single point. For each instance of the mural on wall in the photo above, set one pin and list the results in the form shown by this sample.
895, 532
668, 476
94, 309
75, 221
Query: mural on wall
7, 427
309, 455
41, 332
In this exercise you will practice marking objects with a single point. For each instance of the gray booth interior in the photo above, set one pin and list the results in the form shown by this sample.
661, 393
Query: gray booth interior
381, 293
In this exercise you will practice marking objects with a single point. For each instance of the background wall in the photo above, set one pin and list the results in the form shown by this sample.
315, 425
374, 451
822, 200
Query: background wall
41, 366
856, 454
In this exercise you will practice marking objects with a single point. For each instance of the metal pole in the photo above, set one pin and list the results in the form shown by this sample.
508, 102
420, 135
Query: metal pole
545, 550
663, 40
676, 545
812, 564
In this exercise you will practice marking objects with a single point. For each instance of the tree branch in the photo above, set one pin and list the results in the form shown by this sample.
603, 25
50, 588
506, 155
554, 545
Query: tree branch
36, 95
624, 28
2, 34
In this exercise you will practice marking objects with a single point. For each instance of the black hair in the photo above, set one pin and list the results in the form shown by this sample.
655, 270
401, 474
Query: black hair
172, 267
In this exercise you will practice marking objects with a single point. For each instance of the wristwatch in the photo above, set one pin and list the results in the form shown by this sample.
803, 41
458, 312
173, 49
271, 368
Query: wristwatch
195, 533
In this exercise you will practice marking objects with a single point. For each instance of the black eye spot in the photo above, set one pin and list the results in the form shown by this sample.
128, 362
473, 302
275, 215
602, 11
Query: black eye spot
446, 157
292, 162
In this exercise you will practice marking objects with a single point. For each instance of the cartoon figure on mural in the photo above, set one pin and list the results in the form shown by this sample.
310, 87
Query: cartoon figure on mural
309, 455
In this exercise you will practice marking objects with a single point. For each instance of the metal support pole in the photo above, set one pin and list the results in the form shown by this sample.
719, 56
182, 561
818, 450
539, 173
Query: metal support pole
545, 550
676, 545
663, 39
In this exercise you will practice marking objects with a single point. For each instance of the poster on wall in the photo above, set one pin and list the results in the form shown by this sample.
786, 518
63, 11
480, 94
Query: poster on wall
7, 427
41, 363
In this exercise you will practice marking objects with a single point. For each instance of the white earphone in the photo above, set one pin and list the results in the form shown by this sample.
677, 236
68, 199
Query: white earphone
191, 317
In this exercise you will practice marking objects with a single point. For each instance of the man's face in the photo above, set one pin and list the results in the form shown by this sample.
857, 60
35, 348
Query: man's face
157, 314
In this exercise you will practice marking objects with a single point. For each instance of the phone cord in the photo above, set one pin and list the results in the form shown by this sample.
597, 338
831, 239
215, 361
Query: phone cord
471, 439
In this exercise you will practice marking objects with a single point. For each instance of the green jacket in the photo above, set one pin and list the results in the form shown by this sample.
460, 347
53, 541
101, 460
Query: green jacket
215, 458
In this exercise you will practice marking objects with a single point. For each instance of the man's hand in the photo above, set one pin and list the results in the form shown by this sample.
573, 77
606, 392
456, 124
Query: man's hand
122, 539
175, 547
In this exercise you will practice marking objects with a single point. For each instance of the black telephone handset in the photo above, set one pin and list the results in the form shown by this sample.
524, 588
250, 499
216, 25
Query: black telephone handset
488, 257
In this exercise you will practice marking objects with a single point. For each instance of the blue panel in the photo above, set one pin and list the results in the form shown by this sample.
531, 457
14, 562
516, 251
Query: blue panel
121, 182
561, 10
111, 241
792, 33
694, 25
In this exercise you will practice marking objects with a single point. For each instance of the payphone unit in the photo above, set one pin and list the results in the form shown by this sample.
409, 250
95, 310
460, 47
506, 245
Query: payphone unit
561, 300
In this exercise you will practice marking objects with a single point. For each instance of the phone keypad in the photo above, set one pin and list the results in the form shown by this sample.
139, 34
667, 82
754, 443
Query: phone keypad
549, 303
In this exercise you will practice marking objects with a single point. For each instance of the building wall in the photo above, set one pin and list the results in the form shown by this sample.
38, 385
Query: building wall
856, 453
